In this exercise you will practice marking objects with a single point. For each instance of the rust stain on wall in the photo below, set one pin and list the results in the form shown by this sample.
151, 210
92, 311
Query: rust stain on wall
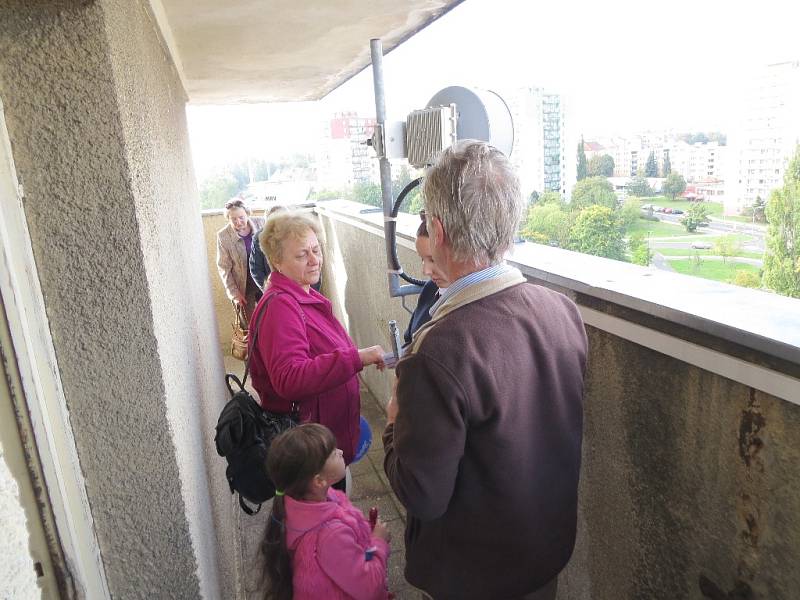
748, 507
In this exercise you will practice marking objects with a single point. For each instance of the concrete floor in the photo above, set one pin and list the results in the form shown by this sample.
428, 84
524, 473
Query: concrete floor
370, 488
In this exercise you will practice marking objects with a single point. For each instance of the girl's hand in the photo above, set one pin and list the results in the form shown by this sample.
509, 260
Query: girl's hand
372, 356
381, 531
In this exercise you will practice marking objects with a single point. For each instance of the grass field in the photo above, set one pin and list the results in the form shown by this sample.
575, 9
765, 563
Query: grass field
692, 252
714, 208
657, 229
708, 269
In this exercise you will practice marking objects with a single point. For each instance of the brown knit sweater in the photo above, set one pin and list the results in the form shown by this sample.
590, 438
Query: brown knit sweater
485, 452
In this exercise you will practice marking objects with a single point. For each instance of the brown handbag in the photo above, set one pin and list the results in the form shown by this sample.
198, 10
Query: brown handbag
239, 337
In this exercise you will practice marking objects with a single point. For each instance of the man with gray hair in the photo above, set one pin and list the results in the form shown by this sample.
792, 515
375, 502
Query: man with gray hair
483, 439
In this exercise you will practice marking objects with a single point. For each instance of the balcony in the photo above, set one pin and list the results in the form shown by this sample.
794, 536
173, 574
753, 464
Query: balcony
690, 463
113, 330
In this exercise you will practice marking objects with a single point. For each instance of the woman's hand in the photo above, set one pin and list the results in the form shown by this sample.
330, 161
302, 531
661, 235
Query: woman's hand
381, 531
372, 356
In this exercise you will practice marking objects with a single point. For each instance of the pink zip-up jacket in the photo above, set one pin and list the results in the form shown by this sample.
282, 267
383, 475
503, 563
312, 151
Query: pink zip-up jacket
304, 355
330, 543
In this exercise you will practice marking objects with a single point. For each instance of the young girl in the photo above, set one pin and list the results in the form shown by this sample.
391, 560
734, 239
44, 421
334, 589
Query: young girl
317, 544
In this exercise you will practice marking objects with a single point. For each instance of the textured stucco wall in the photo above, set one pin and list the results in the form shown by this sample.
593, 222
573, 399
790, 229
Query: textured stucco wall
96, 118
17, 577
686, 474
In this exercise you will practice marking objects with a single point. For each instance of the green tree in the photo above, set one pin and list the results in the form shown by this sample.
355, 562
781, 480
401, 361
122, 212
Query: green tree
651, 168
400, 179
726, 246
601, 166
241, 174
416, 204
674, 184
593, 190
326, 195
630, 212
548, 223
551, 198
782, 258
667, 168
758, 211
746, 279
597, 230
214, 193
583, 167
639, 249
366, 192
694, 217
639, 187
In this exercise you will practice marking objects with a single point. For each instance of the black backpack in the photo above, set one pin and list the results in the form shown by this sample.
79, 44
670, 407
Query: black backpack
244, 434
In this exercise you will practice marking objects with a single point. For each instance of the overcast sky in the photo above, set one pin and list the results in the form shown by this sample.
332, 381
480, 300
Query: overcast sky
621, 65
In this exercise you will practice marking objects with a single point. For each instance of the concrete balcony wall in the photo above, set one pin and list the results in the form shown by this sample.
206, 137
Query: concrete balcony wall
687, 476
95, 114
213, 221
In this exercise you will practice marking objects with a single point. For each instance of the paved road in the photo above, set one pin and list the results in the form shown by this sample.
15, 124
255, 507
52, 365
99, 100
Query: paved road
659, 262
721, 227
734, 259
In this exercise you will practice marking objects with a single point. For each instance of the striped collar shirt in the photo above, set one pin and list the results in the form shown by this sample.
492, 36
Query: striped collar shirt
469, 280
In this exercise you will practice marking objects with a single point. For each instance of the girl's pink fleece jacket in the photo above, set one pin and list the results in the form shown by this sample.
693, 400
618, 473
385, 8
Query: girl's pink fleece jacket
330, 543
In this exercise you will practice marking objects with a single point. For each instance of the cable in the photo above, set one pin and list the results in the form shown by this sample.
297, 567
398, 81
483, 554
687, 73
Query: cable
391, 229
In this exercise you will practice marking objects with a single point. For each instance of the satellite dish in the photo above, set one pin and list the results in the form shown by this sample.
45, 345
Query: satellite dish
481, 115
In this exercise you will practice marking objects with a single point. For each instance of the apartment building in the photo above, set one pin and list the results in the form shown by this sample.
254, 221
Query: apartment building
696, 162
541, 155
766, 135
344, 158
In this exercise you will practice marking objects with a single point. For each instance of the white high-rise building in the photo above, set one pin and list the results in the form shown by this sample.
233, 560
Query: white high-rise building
540, 153
766, 135
343, 158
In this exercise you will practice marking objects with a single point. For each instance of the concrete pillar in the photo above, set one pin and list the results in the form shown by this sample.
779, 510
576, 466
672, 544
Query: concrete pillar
95, 115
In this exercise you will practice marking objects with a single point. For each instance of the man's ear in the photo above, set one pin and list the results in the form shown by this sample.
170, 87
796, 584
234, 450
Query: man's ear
437, 239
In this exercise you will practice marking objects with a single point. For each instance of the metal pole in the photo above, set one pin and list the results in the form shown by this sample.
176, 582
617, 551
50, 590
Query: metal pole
395, 287
376, 49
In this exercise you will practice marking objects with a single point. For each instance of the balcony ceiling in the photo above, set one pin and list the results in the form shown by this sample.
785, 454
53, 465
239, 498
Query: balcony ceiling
282, 50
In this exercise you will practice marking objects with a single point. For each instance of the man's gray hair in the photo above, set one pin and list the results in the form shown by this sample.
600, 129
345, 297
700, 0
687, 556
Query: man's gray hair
473, 190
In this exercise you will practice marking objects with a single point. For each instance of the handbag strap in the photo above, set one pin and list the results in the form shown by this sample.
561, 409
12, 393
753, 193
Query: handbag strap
256, 327
241, 315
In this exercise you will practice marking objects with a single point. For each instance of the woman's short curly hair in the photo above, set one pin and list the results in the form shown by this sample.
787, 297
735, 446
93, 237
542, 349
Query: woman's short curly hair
279, 227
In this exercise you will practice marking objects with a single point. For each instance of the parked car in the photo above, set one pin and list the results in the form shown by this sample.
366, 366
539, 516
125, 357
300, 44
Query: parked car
647, 207
677, 211
658, 209
667, 211
701, 245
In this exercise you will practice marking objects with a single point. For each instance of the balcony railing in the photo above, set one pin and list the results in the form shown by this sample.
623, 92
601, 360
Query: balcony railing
690, 459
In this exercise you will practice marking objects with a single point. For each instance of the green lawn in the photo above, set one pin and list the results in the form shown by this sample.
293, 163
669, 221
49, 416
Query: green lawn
657, 229
709, 269
692, 252
714, 208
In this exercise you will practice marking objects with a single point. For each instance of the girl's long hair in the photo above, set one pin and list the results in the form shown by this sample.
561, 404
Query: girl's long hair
295, 457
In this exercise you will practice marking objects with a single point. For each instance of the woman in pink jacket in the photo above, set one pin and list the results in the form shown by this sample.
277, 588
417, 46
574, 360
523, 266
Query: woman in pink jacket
304, 358
318, 545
